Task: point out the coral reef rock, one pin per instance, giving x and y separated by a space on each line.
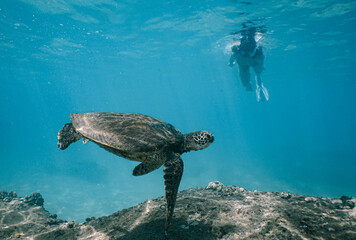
214 212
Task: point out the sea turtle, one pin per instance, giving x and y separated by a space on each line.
139 138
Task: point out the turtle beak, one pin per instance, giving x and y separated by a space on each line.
210 138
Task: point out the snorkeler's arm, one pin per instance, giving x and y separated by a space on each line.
232 61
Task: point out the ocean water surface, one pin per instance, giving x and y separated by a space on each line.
168 59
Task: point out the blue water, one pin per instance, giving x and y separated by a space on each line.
168 59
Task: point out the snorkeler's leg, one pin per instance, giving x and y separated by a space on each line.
245 76
258 78
258 68
259 85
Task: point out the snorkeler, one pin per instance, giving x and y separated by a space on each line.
246 53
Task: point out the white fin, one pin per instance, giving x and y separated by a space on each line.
265 95
85 140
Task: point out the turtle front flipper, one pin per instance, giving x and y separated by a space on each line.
173 171
67 135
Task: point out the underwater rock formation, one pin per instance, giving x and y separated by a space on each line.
214 212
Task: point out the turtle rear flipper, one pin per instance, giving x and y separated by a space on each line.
67 135
173 171
146 167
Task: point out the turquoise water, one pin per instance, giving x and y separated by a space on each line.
168 59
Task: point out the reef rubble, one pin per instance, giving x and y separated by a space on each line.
214 212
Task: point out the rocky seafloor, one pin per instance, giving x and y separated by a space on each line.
214 212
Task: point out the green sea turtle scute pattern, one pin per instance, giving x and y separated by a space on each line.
127 132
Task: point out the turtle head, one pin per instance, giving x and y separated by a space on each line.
197 140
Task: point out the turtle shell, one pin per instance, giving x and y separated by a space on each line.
128 132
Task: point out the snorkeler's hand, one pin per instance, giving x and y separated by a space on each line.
232 61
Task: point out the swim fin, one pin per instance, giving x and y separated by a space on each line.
262 94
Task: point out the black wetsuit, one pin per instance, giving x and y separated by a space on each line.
244 61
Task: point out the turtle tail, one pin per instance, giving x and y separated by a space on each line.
67 135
